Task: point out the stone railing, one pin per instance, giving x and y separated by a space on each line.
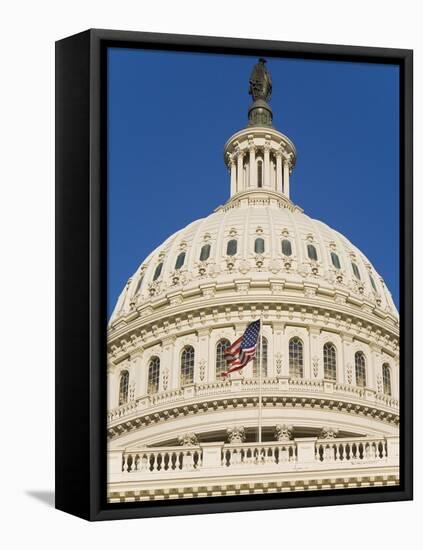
246 386
217 459
352 451
247 454
166 459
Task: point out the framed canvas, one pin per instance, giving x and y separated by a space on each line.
234 258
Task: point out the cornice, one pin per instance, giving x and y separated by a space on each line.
332 402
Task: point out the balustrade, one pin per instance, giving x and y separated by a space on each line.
274 456
347 450
163 460
254 454
273 386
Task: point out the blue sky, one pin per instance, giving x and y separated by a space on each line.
170 114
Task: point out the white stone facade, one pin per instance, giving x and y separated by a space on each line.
197 289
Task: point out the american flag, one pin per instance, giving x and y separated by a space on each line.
242 350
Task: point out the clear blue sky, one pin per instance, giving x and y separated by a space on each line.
171 113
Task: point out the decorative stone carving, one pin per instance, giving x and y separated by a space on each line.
274 266
230 264
154 288
188 440
244 266
349 373
278 362
283 432
242 288
315 363
328 433
379 383
131 391
259 259
202 365
165 379
236 434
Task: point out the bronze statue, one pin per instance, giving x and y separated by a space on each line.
260 82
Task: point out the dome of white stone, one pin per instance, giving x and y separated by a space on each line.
340 268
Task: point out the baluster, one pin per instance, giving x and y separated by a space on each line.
173 461
152 460
144 463
130 461
384 449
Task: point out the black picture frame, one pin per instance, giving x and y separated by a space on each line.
81 274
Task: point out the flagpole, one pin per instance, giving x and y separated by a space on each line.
260 376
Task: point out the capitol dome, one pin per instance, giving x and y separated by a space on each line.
329 380
261 236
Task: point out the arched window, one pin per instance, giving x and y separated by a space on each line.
286 247
360 369
356 271
180 260
386 377
329 361
153 375
259 173
256 360
296 358
187 365
205 252
221 364
373 283
312 252
123 387
335 260
259 246
231 247
158 271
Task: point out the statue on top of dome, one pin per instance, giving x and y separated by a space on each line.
260 113
260 81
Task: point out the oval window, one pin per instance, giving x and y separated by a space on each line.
312 252
356 271
335 260
286 247
259 246
158 271
180 260
205 252
231 247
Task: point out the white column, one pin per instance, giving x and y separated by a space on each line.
315 354
375 367
279 186
139 378
167 366
240 171
253 168
232 165
112 388
349 365
275 363
266 179
286 177
201 372
340 364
